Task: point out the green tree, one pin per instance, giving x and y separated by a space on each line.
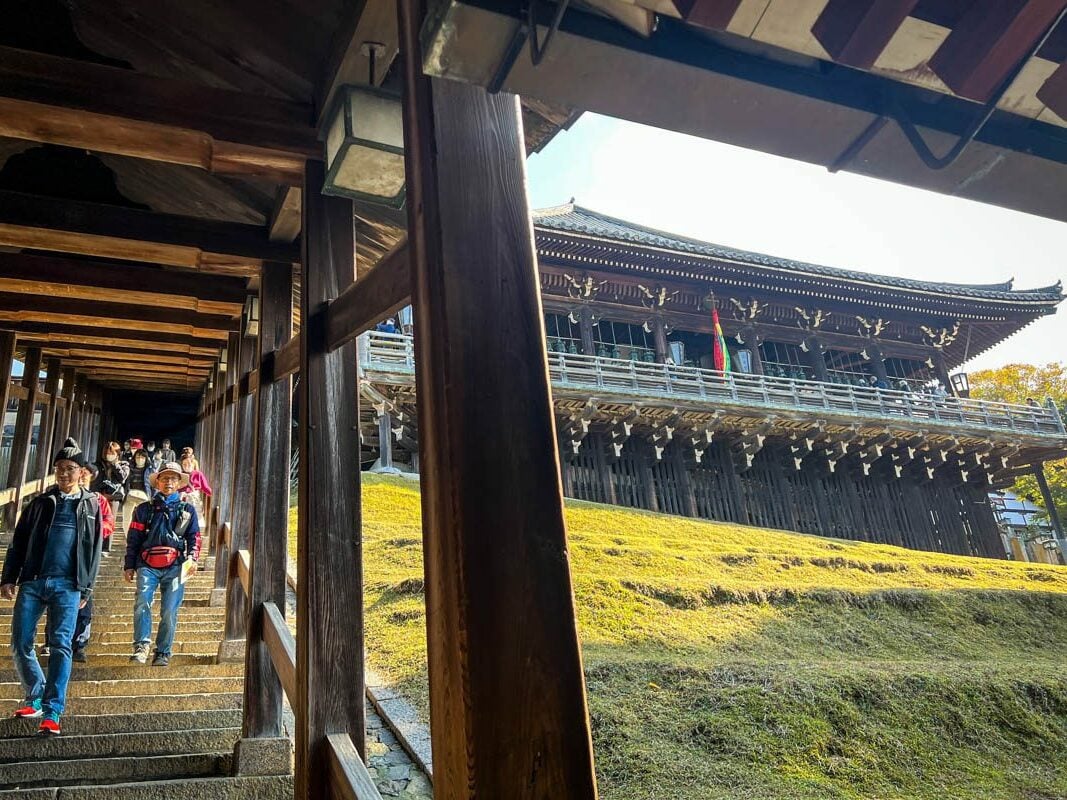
1015 383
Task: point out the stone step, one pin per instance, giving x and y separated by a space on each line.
148 704
125 612
148 685
274 787
191 646
95 771
141 722
153 743
108 668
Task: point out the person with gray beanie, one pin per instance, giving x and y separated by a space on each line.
52 563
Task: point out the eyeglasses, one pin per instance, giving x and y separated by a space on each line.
65 470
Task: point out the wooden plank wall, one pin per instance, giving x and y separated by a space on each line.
940 515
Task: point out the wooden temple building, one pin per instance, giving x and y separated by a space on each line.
214 201
829 421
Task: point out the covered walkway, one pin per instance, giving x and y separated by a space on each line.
167 227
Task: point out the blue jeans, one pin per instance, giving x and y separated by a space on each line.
60 598
171 592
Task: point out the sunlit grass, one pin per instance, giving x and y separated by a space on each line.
729 661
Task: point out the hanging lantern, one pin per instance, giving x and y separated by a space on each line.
365 147
251 315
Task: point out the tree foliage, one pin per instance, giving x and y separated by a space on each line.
1015 383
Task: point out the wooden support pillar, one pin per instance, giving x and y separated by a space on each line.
20 445
69 378
7 358
751 339
585 327
941 371
1046 495
659 339
877 363
508 711
224 452
45 433
268 545
385 440
817 359
240 518
329 615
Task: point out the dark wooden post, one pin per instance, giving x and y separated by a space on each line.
817 358
329 614
877 362
20 445
659 338
385 440
1046 495
508 711
69 378
7 359
224 451
751 338
585 327
263 689
942 372
45 431
232 646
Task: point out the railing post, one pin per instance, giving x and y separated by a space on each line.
20 445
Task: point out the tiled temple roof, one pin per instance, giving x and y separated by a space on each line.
571 218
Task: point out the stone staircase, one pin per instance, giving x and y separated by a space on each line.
133 731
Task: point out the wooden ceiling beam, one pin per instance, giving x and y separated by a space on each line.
989 42
145 367
65 331
855 32
256 121
37 122
712 14
284 225
88 279
95 229
124 355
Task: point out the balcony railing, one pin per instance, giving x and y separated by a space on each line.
394 353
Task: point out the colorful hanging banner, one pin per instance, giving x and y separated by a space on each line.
720 354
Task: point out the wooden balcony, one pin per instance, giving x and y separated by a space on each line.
390 358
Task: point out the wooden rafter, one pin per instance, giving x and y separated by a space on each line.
989 41
713 14
44 223
855 32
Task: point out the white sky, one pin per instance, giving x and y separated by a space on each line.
754 201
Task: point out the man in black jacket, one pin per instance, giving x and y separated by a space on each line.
52 560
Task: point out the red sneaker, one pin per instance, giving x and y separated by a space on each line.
30 710
49 726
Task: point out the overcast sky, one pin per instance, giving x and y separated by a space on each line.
754 201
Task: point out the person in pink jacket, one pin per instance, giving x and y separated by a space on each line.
198 487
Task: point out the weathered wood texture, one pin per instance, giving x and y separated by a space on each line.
20 444
224 453
282 647
46 429
349 778
7 358
242 497
855 32
507 698
942 514
270 513
329 670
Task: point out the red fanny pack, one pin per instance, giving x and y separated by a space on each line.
159 557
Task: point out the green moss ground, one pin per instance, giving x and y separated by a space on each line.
726 661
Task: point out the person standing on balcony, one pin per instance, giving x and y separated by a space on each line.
162 548
389 326
52 561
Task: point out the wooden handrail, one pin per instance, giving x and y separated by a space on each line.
349 778
36 486
282 646
244 571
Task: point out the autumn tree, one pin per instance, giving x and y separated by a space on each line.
1015 383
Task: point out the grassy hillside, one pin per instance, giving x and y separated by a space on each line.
731 662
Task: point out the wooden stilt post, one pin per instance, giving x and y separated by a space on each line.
329 615
224 451
45 440
20 445
385 441
7 358
1050 503
507 698
268 544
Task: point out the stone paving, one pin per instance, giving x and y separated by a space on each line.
391 768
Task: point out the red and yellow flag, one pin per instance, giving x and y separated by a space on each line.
720 354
